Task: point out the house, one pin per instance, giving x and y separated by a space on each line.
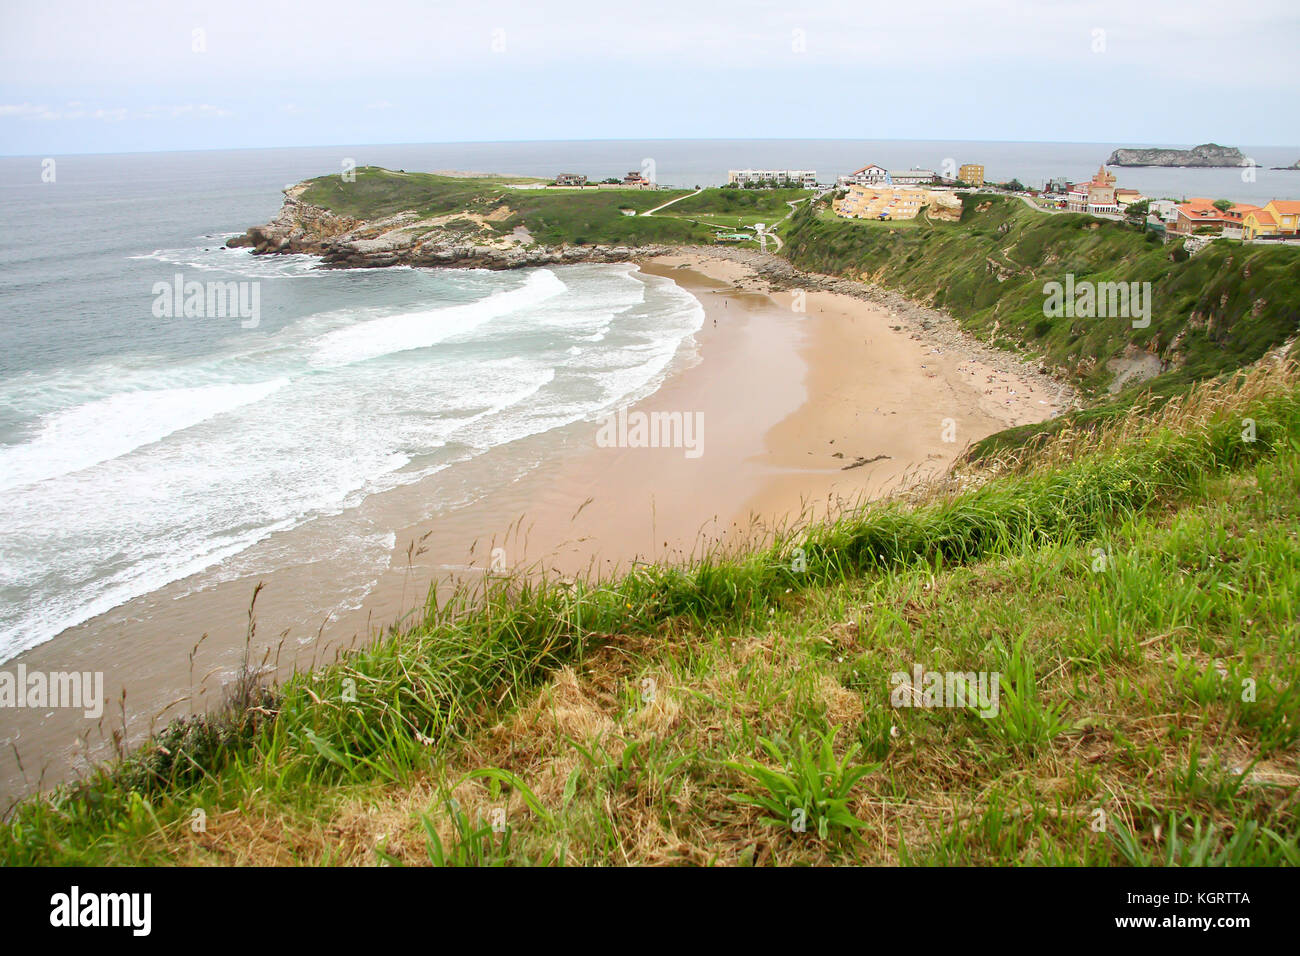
806 178
911 177
1234 220
1197 213
634 180
570 179
869 175
1259 223
1097 195
882 202
972 174
1166 210
1058 185
1282 214
1126 197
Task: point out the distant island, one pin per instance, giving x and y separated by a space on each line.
1295 165
1206 155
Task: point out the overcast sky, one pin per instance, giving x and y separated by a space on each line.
99 76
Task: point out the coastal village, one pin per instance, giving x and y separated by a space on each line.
874 192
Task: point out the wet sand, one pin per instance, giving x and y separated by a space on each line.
787 399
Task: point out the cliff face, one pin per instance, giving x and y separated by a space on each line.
460 240
1207 154
944 206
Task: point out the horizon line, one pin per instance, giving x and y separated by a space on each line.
653 139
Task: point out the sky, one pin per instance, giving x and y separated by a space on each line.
86 76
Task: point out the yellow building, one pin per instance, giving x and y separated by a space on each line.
1279 217
1287 214
972 174
1258 222
882 202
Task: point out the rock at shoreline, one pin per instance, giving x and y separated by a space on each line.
1207 155
404 239
1295 165
345 243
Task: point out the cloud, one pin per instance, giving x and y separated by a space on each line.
22 109
116 114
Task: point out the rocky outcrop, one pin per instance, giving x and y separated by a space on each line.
944 206
1295 165
405 239
1205 155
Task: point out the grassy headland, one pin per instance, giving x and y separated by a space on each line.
552 216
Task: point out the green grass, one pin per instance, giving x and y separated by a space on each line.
378 193
591 217
1128 586
748 203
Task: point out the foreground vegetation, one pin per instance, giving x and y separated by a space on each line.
1136 588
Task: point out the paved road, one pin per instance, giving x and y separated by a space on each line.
1114 217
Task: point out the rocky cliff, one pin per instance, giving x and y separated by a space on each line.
1207 154
460 240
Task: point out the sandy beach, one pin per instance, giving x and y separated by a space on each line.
806 401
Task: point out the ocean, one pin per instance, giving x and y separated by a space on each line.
138 448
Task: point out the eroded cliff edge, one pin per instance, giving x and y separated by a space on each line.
407 238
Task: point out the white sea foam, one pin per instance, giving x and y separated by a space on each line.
98 431
144 469
422 329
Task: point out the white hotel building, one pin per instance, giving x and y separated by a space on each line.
807 178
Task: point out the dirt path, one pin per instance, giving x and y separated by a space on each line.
651 212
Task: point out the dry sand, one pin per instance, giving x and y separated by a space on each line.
788 399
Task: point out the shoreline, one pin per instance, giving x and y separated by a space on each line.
782 442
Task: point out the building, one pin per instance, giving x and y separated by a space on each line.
911 177
972 174
1279 217
570 179
1057 185
1126 197
882 202
1259 223
1166 210
1287 213
869 175
1097 195
634 180
1198 213
806 178
1234 221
